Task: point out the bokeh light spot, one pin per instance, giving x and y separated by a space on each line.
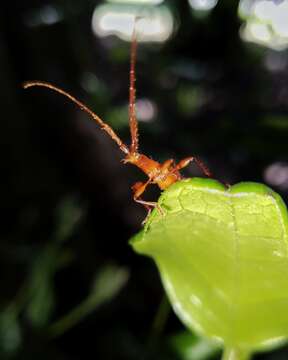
266 22
146 110
45 15
276 174
203 5
154 25
150 2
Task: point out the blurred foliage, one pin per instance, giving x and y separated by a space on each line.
67 210
191 347
106 285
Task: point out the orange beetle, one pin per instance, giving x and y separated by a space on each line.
163 174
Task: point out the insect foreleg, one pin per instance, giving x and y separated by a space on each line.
138 188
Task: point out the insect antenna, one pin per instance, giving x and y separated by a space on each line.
132 95
84 108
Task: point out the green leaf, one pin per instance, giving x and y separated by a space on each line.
188 346
223 259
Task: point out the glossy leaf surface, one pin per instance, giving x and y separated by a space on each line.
223 259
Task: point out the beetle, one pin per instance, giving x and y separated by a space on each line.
162 174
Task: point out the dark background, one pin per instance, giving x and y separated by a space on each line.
67 209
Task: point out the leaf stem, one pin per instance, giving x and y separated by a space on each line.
233 353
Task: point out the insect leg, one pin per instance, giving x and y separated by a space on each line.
203 167
167 164
184 162
138 188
